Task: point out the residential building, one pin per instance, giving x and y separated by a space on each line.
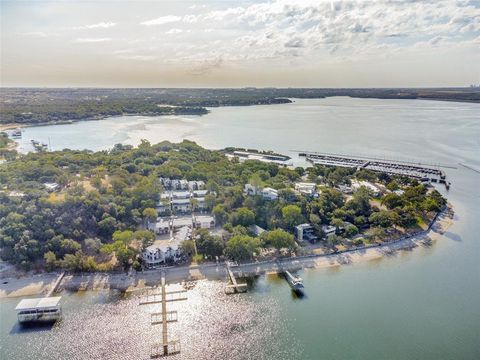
371 187
329 230
181 205
269 193
204 222
161 226
167 251
305 232
249 189
196 185
306 188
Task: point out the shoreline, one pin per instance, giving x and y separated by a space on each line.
30 285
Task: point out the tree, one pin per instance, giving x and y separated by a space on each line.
146 237
241 247
221 215
50 260
279 239
188 247
382 218
291 216
243 216
150 214
351 230
69 246
208 244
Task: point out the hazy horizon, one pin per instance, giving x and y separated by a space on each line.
236 44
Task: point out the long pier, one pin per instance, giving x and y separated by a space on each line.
418 171
234 286
165 347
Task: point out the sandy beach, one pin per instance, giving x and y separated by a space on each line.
41 283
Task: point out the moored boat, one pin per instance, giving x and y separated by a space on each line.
295 282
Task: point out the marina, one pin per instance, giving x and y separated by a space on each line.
265 156
418 171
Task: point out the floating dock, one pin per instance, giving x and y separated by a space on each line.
422 172
233 286
45 309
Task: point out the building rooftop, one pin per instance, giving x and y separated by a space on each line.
38 303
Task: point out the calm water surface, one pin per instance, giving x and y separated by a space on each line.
423 304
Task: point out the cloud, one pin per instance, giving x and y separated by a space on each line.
100 25
206 66
92 40
174 31
138 57
162 20
35 34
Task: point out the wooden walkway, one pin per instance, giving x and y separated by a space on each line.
55 285
165 347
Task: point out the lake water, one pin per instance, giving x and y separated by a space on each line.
422 304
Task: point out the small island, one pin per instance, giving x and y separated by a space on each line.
151 206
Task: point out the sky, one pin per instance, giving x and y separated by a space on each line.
277 43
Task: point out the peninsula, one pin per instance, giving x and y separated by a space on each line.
180 204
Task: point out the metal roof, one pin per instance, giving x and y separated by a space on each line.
38 303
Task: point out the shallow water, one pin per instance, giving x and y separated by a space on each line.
420 304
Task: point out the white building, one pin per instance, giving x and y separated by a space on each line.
199 193
329 230
305 232
269 193
249 189
306 188
161 226
345 189
181 205
166 251
196 185
204 222
51 186
371 187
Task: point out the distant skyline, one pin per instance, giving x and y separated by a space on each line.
276 43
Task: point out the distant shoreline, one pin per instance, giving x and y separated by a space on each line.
41 283
281 100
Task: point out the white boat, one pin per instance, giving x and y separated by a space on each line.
295 282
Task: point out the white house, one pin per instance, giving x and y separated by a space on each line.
305 232
181 205
204 222
166 251
199 193
196 185
51 186
329 230
251 190
269 193
161 226
306 188
373 189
